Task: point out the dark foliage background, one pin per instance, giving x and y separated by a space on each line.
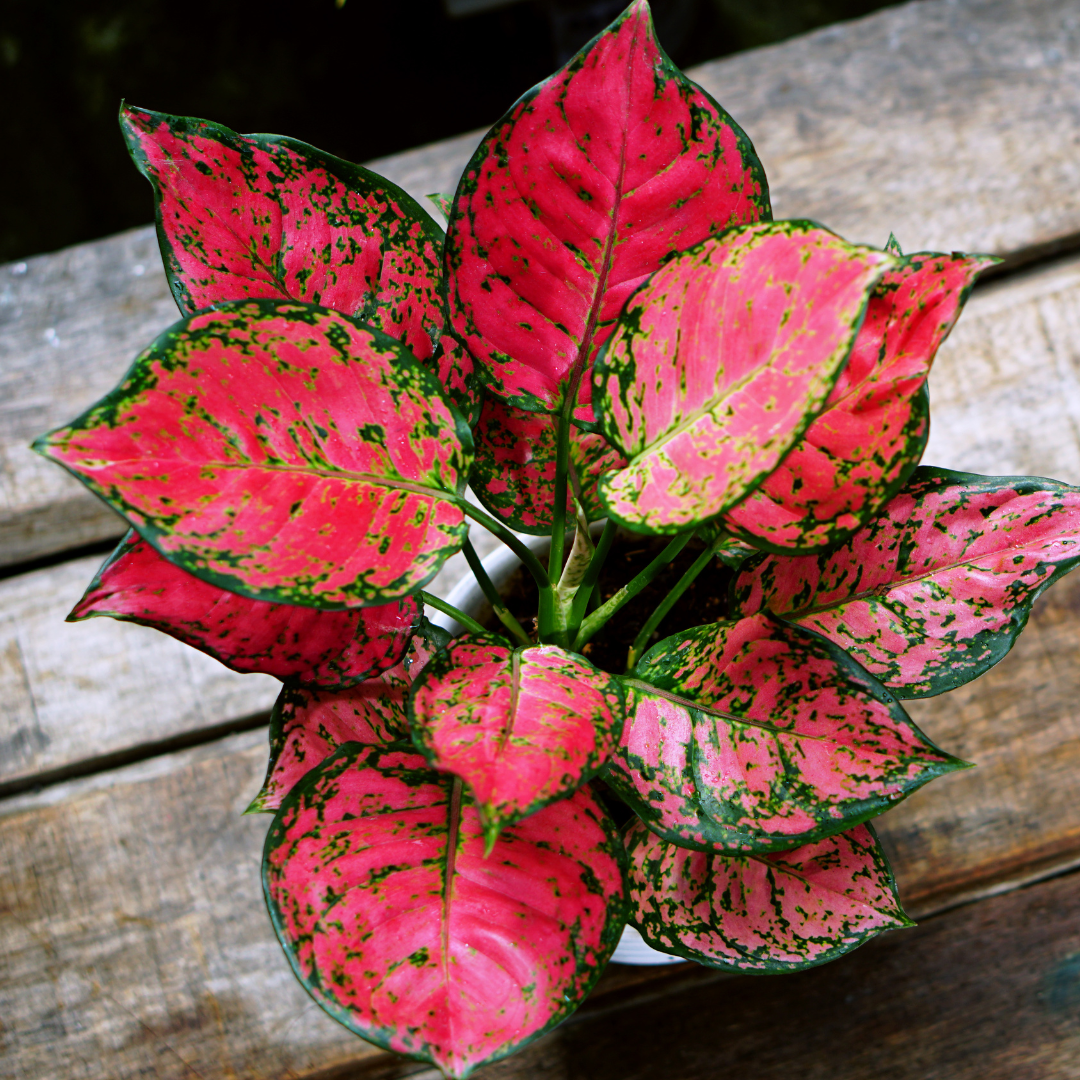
362 80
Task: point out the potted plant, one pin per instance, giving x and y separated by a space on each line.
612 329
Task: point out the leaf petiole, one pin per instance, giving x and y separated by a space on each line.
521 550
430 600
558 525
504 614
592 574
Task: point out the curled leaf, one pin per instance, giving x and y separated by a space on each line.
401 929
935 590
764 913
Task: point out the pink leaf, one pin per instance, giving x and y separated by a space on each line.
283 452
765 913
935 590
522 727
575 197
721 362
308 725
318 648
514 471
755 736
858 452
401 929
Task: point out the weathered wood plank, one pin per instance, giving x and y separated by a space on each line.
952 124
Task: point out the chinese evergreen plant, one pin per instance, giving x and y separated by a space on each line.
613 327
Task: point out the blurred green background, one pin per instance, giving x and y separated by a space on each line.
360 80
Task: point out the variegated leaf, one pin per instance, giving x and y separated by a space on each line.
522 727
721 362
401 929
934 591
253 216
762 913
281 451
513 473
575 197
329 649
308 725
857 454
756 736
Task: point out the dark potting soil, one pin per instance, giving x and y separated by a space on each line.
704 602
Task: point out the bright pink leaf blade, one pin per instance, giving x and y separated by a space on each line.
329 649
721 362
522 727
283 452
934 591
400 928
765 913
575 197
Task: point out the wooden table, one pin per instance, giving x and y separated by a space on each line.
133 937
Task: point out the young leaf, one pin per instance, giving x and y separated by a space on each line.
575 197
935 590
522 727
720 363
262 216
763 913
402 930
857 454
513 473
330 649
308 725
283 452
756 736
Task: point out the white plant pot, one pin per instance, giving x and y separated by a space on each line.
467 597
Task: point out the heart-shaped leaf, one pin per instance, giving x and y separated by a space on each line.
934 591
513 474
720 363
765 913
281 451
308 725
575 197
522 727
330 649
859 451
755 736
264 216
402 930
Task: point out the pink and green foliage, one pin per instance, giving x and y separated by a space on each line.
754 736
934 591
720 363
575 197
402 929
522 727
328 649
308 724
857 453
281 451
762 913
514 471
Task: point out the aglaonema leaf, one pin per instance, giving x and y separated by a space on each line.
513 473
755 736
401 929
934 591
283 452
762 913
721 362
859 451
262 216
575 197
308 725
330 649
522 727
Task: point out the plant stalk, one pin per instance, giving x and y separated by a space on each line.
504 614
558 527
572 576
522 551
592 575
429 600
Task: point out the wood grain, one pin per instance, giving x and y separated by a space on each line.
956 125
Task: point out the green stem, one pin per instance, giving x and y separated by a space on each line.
531 562
439 604
665 605
558 527
604 612
592 574
504 614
